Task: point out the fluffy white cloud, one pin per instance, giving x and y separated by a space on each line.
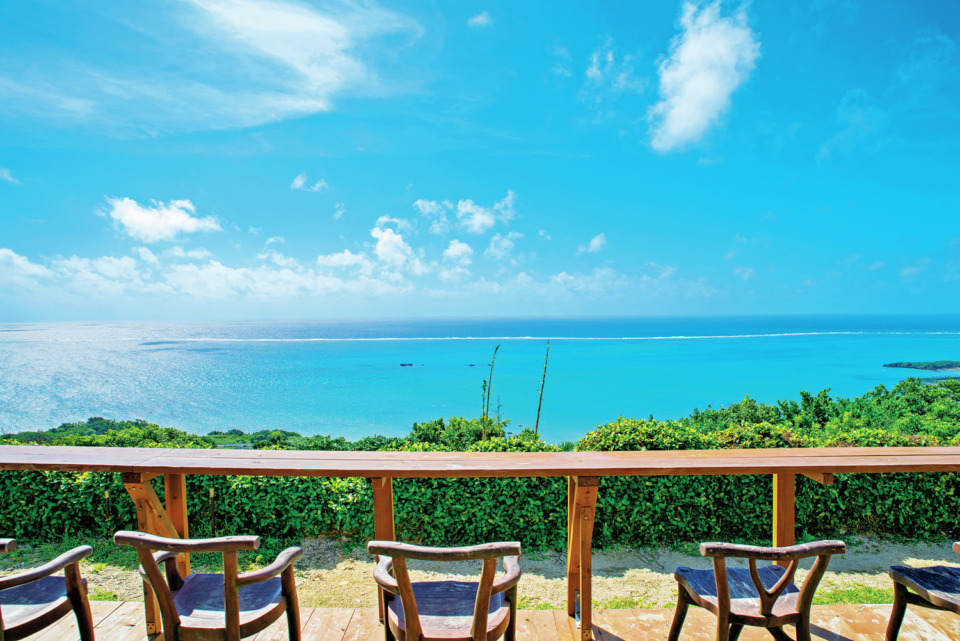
391 248
458 252
147 256
279 259
6 176
345 259
162 221
596 243
300 183
18 270
482 19
471 217
179 252
261 61
436 212
708 61
502 246
474 218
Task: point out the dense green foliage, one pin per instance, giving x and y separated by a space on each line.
634 511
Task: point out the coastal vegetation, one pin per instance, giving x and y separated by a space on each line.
630 511
933 366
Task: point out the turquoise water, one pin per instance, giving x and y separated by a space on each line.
347 378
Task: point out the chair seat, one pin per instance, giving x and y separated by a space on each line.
939 584
32 600
446 610
744 599
200 604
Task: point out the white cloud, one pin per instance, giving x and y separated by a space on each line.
744 273
18 270
279 259
543 234
210 64
596 243
6 176
436 212
274 239
502 246
708 61
391 248
147 256
345 259
300 183
338 211
162 221
474 218
401 223
609 75
482 19
458 252
180 252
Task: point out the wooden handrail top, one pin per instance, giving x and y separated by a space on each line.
480 464
395 549
802 551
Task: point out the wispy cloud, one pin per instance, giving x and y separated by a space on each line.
210 64
561 66
472 217
708 61
162 221
596 243
338 210
300 183
6 176
501 246
482 19
860 118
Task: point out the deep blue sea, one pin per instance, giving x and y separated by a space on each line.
348 378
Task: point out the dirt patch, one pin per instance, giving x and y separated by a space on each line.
330 576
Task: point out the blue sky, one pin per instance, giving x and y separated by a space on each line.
220 159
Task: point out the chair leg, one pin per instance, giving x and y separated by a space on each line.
288 583
511 633
896 614
683 602
77 593
780 635
803 628
735 630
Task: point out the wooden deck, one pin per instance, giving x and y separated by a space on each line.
118 621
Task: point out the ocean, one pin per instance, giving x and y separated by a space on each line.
357 378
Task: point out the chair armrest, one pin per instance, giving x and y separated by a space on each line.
956 547
419 552
67 558
283 560
144 541
382 575
8 545
816 548
511 566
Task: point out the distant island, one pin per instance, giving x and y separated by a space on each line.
932 366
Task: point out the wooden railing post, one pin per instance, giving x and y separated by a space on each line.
175 490
784 511
383 528
146 522
581 505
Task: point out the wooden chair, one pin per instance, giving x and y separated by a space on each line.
32 600
216 607
764 597
448 610
934 587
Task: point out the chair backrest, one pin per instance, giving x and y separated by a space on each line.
398 554
153 550
823 550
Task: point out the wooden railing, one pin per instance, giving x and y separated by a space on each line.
583 469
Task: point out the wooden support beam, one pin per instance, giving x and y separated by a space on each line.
784 511
143 495
145 523
383 521
823 478
581 506
175 491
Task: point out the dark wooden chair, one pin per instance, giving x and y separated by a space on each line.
934 587
764 597
216 607
448 610
32 600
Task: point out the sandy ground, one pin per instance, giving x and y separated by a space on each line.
329 576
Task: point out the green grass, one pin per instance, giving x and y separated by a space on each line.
852 594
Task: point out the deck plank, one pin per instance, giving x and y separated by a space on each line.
116 621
